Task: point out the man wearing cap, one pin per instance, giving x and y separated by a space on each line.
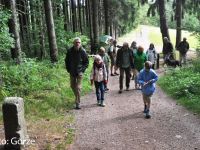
76 62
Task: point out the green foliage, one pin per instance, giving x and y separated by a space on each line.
184 85
65 38
44 87
6 41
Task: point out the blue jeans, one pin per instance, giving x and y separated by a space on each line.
99 90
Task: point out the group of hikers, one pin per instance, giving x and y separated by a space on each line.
131 61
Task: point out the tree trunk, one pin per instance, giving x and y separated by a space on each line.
13 29
80 18
178 21
106 5
95 26
163 21
74 16
51 30
66 15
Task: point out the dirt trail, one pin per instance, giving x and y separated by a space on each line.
121 124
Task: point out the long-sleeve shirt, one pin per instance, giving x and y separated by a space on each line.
145 76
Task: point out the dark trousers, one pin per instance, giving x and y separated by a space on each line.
121 77
99 90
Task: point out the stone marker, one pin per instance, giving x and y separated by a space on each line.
14 123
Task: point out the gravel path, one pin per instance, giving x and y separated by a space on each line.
121 124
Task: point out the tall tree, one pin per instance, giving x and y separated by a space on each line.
13 29
106 8
51 30
74 15
163 20
178 21
95 26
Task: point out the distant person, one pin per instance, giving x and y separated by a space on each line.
139 59
76 62
183 48
112 52
167 48
124 62
147 78
133 47
99 78
152 55
106 61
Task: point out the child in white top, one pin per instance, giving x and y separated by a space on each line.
99 78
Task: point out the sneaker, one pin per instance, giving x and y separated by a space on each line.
103 105
106 89
127 88
112 74
98 103
120 91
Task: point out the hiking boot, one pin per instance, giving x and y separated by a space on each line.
77 106
120 91
148 116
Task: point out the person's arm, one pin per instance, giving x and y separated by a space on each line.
85 61
140 78
67 61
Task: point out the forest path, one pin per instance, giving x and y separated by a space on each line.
121 124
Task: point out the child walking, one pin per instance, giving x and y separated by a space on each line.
99 78
147 78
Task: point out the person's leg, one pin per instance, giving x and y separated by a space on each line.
184 59
98 95
111 66
101 85
73 84
145 103
127 72
136 77
121 77
78 89
106 84
180 58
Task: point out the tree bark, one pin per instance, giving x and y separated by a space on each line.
80 18
163 20
51 30
95 26
106 5
13 29
178 21
74 16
